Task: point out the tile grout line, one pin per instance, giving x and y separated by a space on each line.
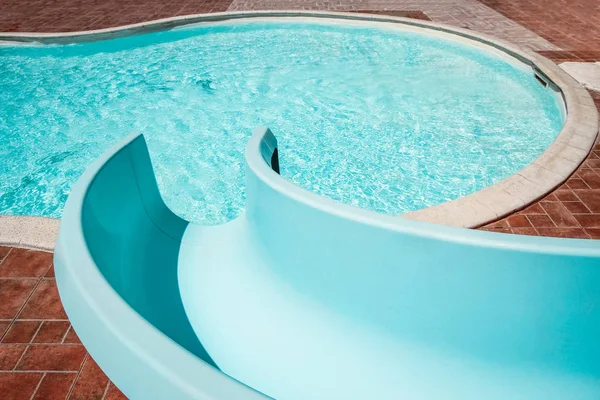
17 316
66 333
21 358
41 371
105 390
77 376
46 344
10 249
14 319
38 386
36 332
38 319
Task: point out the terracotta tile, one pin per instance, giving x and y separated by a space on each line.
588 220
3 252
591 178
498 230
550 197
51 332
593 232
564 232
52 358
559 214
21 332
577 183
25 263
91 383
55 386
44 303
592 163
566 195
72 337
500 224
576 207
10 355
404 14
3 327
114 393
18 386
533 209
525 231
13 294
50 273
591 198
518 221
540 221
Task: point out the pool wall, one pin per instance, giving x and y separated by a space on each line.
508 300
547 172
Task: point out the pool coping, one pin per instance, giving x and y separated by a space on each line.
548 171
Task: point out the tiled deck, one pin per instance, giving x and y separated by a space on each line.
41 357
40 354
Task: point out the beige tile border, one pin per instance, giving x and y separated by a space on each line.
544 174
30 232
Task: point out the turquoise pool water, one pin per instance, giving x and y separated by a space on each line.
387 120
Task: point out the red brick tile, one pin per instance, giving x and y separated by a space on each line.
525 231
21 332
593 232
592 162
25 263
3 327
498 230
91 383
500 224
591 178
576 207
559 214
13 294
550 197
51 332
44 303
533 209
404 14
591 198
114 393
55 386
564 232
518 221
10 355
577 183
72 337
588 220
540 221
52 358
566 195
4 252
18 386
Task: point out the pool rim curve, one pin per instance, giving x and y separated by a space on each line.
548 171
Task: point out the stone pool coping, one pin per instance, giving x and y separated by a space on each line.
534 181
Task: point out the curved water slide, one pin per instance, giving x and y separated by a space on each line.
303 297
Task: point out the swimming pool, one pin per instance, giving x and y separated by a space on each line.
389 120
302 296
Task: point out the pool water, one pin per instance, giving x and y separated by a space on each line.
388 120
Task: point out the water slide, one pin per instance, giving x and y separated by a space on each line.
302 297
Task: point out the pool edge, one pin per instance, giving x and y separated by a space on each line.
548 171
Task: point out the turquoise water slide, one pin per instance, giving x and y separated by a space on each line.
306 298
